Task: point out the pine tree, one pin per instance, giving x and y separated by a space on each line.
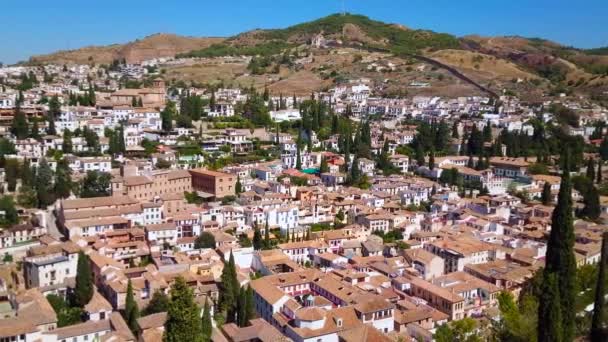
207 324
183 320
598 320
546 194
267 243
591 169
131 313
83 292
560 264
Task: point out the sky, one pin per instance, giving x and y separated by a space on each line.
29 27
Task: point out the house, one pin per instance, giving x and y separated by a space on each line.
218 184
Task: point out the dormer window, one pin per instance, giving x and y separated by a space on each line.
339 322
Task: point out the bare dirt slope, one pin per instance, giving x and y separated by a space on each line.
154 46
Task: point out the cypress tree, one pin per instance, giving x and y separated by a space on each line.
67 141
19 127
561 264
598 321
546 195
432 159
44 184
238 188
592 209
298 158
35 131
250 305
591 169
207 325
257 238
131 313
183 319
267 244
242 308
63 179
599 172
324 168
549 312
83 292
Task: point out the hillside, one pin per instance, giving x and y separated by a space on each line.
356 46
154 46
346 30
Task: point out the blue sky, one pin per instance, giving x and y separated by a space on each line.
30 27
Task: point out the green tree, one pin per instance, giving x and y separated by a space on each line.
550 311
432 159
517 324
604 149
599 172
11 216
242 320
183 321
167 115
44 184
158 303
267 243
207 327
546 194
463 330
67 141
229 290
324 168
560 270
238 188
54 107
83 292
258 244
19 127
598 320
63 179
95 184
35 131
131 312
205 240
298 158
11 170
591 169
592 208
250 305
